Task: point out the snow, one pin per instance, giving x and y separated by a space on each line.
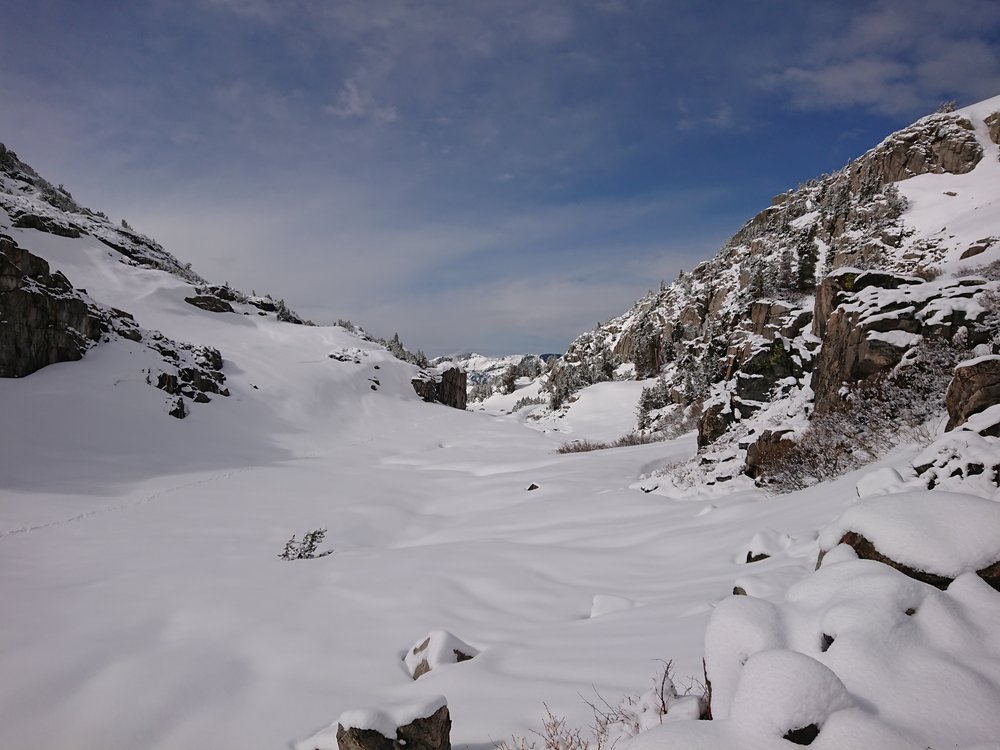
937 532
882 481
898 339
978 360
781 690
973 213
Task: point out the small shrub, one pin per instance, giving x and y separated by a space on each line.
305 549
581 446
614 723
633 438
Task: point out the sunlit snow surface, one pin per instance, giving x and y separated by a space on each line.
144 604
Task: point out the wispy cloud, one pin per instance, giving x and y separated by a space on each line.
895 56
353 103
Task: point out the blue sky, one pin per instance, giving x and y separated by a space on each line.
474 174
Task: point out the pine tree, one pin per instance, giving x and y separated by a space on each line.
291 551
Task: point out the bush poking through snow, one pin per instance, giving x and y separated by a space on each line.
633 438
875 418
615 723
305 549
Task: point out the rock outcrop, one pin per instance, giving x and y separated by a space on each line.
210 303
876 318
943 142
447 386
974 388
45 320
993 123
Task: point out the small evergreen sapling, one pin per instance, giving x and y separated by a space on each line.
306 549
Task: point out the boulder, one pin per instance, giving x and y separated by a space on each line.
452 390
974 388
431 732
447 386
421 725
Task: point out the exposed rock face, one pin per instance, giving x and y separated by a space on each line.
993 123
714 423
939 143
876 319
209 303
429 733
44 319
447 387
975 387
46 224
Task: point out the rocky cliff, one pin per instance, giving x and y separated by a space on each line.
830 289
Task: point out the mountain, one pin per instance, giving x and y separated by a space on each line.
221 526
763 334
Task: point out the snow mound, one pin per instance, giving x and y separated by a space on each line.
740 626
883 481
605 604
437 648
782 691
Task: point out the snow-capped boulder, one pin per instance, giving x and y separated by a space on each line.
418 725
933 537
437 648
975 387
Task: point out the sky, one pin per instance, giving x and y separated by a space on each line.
476 175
